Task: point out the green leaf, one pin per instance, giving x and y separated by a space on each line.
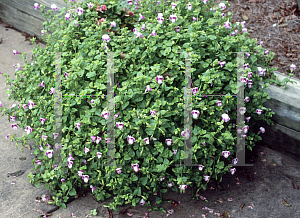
64 187
90 74
144 181
72 192
124 105
134 178
127 157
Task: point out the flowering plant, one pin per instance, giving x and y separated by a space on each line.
148 97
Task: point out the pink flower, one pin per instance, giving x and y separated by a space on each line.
36 6
99 155
222 63
119 125
148 88
78 125
135 167
225 117
85 178
49 153
15 52
93 188
159 79
146 140
258 111
103 7
169 141
118 170
130 139
232 170
170 184
54 7
195 113
186 133
182 187
142 202
86 150
225 153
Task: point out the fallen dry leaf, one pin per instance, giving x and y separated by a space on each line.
123 211
16 174
295 186
242 206
1 40
225 214
27 146
285 203
174 203
7 25
220 200
245 17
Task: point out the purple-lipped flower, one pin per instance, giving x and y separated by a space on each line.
36 6
146 140
93 188
135 167
49 153
85 178
79 11
258 111
15 52
206 178
119 125
222 6
186 133
119 170
201 167
195 114
182 187
54 7
173 18
130 139
232 170
169 141
225 153
225 117
90 4
222 63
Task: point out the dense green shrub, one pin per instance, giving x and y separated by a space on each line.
148 98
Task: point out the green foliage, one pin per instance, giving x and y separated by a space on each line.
146 58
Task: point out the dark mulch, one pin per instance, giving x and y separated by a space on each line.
282 39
